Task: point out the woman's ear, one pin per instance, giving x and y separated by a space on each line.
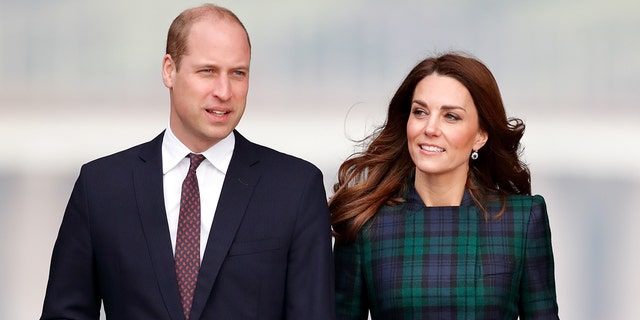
481 139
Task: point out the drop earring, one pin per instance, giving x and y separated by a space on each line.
474 155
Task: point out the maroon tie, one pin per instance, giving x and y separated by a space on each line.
187 254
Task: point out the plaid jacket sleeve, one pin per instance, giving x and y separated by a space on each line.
537 286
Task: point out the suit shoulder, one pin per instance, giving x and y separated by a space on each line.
114 157
125 156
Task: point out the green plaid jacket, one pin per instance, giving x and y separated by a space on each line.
417 262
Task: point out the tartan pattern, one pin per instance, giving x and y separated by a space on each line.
417 262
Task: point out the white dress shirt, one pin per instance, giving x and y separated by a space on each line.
210 173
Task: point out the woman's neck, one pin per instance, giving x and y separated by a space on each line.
440 191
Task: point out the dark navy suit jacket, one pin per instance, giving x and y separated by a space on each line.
268 255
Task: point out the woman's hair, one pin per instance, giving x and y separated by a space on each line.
380 174
179 30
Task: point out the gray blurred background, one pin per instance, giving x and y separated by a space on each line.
81 79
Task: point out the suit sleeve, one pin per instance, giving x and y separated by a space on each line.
351 303
71 291
310 292
538 292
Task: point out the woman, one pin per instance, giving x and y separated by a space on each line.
435 219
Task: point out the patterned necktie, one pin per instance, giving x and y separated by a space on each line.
187 255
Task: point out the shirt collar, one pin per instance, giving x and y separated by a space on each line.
173 151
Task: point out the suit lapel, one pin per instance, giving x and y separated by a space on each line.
147 178
240 180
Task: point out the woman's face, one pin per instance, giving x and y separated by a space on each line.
443 128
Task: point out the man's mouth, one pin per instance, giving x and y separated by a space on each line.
217 113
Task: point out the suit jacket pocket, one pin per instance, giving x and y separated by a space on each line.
254 246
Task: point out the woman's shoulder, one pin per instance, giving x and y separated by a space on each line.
522 199
526 207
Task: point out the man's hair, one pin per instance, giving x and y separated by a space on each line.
179 30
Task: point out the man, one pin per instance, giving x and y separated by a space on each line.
262 246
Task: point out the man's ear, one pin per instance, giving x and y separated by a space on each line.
168 71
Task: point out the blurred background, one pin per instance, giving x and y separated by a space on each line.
81 79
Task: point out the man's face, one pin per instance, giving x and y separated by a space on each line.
209 90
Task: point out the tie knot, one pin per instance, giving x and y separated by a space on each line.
195 159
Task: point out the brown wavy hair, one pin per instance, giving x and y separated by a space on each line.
381 174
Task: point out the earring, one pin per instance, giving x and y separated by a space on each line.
474 155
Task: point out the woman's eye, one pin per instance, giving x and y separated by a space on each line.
419 112
452 116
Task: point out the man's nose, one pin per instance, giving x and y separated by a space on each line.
222 89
